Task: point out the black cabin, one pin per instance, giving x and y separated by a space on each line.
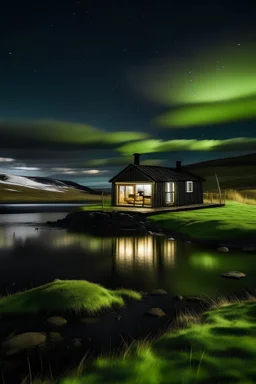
155 186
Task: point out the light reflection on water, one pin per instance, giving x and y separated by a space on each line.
31 255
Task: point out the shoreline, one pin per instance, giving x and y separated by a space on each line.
82 221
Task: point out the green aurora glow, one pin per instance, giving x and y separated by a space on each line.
221 112
211 88
151 146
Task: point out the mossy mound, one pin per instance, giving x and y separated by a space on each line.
65 295
219 349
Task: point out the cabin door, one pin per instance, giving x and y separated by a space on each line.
169 192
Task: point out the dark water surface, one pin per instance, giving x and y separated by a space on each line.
31 255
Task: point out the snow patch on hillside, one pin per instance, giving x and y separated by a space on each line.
25 182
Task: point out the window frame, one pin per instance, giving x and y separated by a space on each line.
188 183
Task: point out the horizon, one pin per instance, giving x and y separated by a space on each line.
100 185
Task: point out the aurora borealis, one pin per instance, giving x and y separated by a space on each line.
86 84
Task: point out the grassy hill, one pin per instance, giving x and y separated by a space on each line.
29 189
237 173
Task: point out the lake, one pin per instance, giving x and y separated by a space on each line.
31 254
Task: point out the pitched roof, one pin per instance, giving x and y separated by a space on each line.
158 173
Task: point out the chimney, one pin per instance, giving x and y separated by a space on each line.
136 158
178 165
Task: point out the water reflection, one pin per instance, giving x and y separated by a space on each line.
32 255
143 252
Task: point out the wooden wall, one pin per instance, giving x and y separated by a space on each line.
158 199
186 198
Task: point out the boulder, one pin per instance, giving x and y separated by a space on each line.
223 249
195 299
56 321
156 312
54 338
178 298
22 342
76 343
158 292
233 275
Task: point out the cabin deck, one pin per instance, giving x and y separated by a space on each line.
157 211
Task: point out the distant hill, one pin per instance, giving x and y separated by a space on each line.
22 188
63 183
237 172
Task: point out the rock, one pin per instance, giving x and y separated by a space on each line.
178 298
157 312
22 342
156 233
195 299
76 343
54 337
89 320
233 275
223 249
158 292
56 321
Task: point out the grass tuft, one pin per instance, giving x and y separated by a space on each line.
66 295
208 350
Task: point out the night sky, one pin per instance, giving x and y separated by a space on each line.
85 84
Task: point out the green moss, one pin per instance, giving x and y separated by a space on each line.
65 295
235 220
209 352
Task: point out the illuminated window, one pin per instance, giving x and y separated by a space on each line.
189 186
169 193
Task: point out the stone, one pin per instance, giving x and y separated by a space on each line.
158 292
156 233
156 312
76 343
178 298
223 249
54 337
233 275
22 342
56 321
195 299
